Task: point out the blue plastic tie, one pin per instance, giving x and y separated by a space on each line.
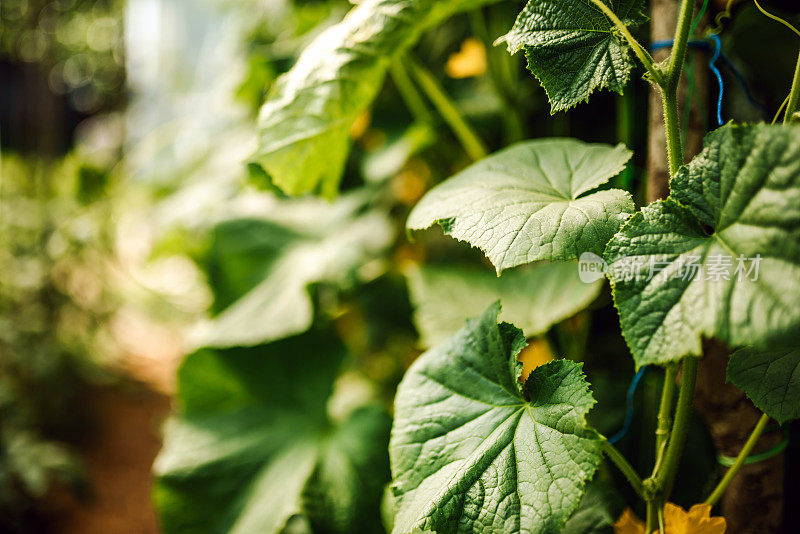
629 398
717 51
712 65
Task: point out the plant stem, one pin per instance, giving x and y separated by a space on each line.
643 55
625 467
669 468
794 94
719 491
452 116
678 56
669 86
626 111
409 93
664 412
780 108
669 99
652 516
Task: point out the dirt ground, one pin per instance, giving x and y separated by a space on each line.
117 460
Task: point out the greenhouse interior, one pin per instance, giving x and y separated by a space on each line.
399 266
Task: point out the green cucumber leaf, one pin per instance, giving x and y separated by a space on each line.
532 201
734 209
305 123
534 297
473 450
771 379
252 446
599 509
260 269
573 48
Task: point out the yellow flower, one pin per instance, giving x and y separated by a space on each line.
469 61
535 354
697 520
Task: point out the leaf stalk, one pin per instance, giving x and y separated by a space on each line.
723 484
625 467
472 144
794 94
644 56
665 412
669 468
409 93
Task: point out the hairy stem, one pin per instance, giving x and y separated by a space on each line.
669 468
644 57
678 56
664 412
669 99
667 460
719 491
794 95
472 144
625 467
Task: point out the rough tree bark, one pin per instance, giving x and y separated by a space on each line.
753 502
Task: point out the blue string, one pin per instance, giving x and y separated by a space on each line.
712 65
743 84
737 74
629 407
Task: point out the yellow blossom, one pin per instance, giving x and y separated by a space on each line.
697 520
469 61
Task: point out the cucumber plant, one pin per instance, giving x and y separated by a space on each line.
475 445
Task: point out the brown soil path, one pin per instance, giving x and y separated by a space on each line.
117 457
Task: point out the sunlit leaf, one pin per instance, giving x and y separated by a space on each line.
532 201
305 123
474 450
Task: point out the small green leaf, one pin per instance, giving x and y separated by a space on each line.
534 297
720 258
573 48
260 269
305 123
771 379
472 450
531 202
252 445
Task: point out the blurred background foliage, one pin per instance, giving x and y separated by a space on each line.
133 230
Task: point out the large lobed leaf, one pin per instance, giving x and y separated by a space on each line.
534 297
252 447
771 379
305 123
532 201
573 48
260 269
736 202
474 451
